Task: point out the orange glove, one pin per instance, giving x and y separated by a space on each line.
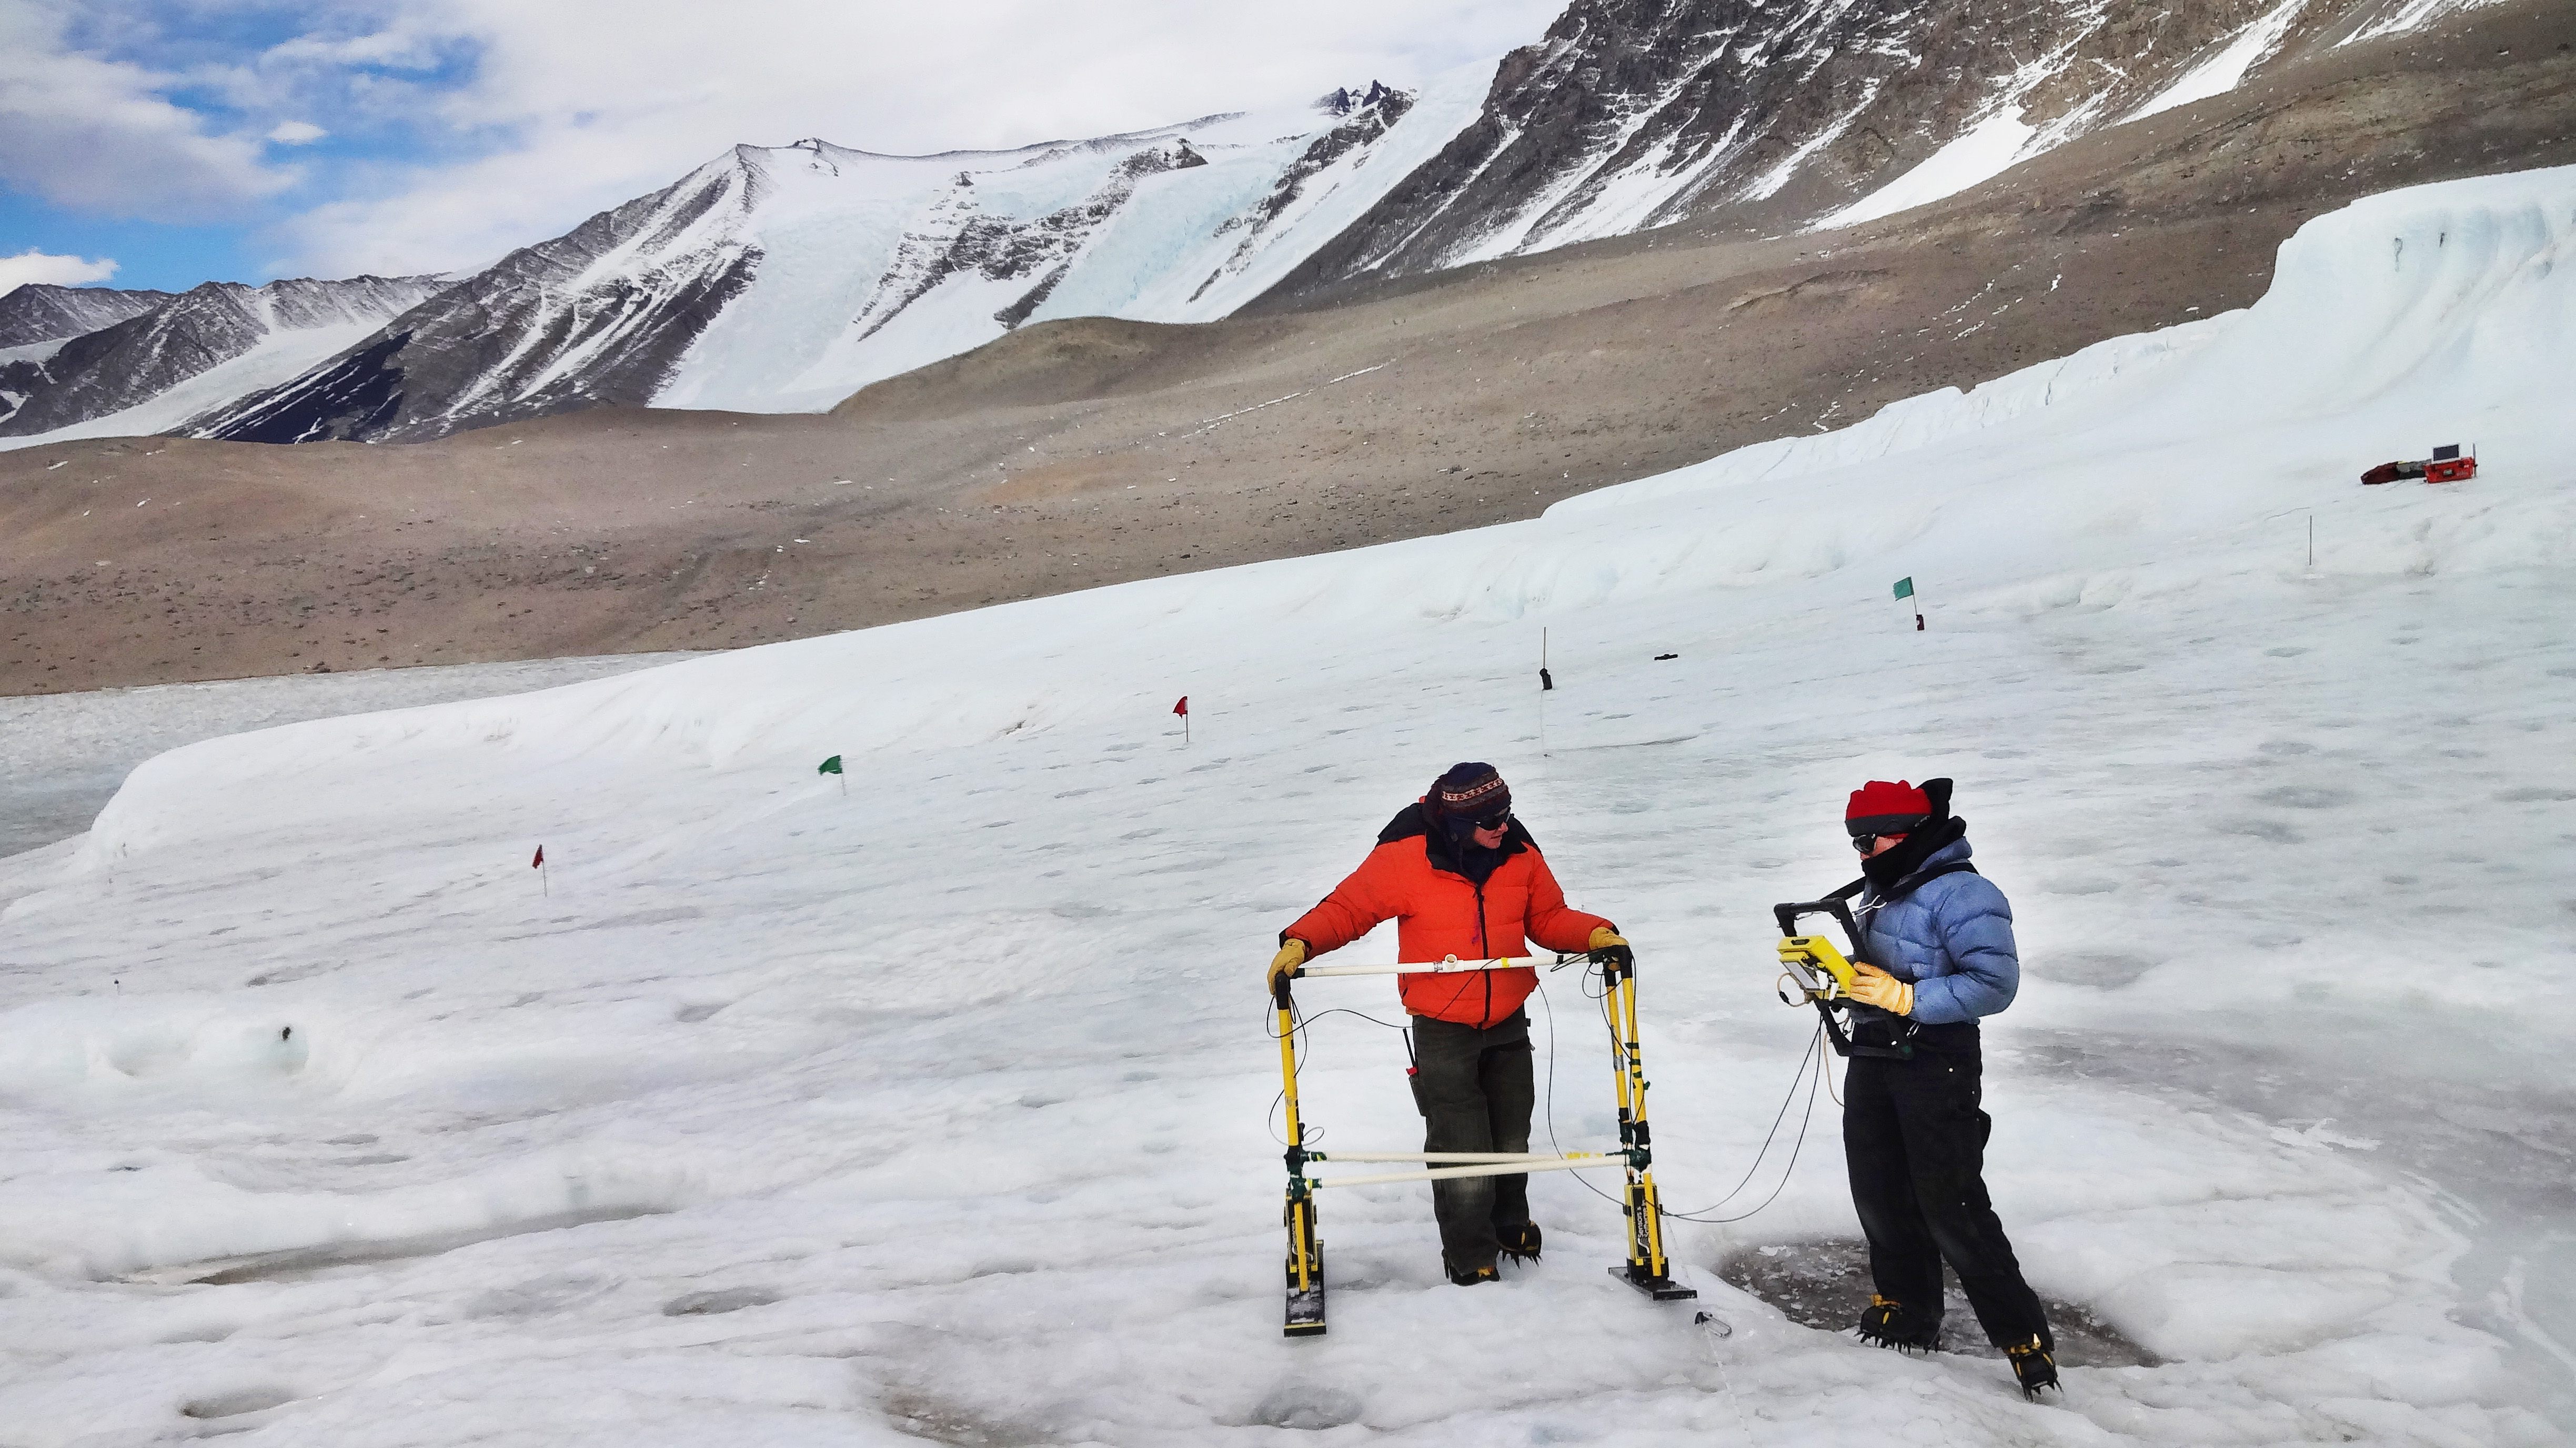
1872 986
1603 937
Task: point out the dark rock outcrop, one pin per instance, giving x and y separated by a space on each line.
41 312
147 354
496 346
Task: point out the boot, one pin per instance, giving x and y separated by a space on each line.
1520 1242
2034 1367
1887 1323
1468 1276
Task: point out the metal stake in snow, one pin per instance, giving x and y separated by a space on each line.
1546 682
545 883
1904 591
2312 533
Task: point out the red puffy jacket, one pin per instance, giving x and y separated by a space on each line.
1413 877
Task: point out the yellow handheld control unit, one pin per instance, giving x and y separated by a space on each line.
1821 969
1817 973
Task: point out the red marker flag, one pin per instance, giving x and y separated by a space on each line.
1182 708
539 862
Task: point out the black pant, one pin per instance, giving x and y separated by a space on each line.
1915 1140
1475 1090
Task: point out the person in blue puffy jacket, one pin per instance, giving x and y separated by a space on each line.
1936 955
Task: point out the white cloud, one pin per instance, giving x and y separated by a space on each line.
96 134
296 133
598 102
31 266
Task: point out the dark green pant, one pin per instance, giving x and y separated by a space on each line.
1475 1090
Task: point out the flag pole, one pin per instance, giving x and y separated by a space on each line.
1905 590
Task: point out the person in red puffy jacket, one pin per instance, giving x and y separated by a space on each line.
1461 876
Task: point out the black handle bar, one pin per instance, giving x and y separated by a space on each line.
1788 916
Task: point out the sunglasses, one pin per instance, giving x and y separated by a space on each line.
1496 823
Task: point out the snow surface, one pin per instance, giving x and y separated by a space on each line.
63 755
931 1111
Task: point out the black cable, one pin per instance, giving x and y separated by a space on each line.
1795 1081
1298 1022
1795 1147
1812 1058
1303 1021
1550 1007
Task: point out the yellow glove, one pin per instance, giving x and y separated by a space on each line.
1292 954
1872 986
1603 937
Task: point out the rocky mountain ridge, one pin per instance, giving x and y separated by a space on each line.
153 353
41 312
783 279
1632 114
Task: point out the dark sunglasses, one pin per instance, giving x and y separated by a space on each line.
1497 822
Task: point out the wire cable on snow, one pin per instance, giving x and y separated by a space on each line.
1298 1023
1813 1056
1550 1007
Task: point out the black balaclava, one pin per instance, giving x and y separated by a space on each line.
1886 871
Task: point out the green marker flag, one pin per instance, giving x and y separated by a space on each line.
829 766
1905 587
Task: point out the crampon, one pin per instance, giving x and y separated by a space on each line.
1887 1323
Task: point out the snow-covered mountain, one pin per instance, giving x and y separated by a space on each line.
784 278
41 312
935 1110
156 368
781 279
38 318
1638 113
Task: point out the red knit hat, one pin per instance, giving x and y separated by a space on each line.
1881 808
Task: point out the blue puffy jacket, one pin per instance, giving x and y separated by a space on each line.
1952 937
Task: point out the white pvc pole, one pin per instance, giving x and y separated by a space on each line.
1422 967
1445 1173
1460 1156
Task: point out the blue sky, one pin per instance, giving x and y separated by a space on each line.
178 140
181 141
